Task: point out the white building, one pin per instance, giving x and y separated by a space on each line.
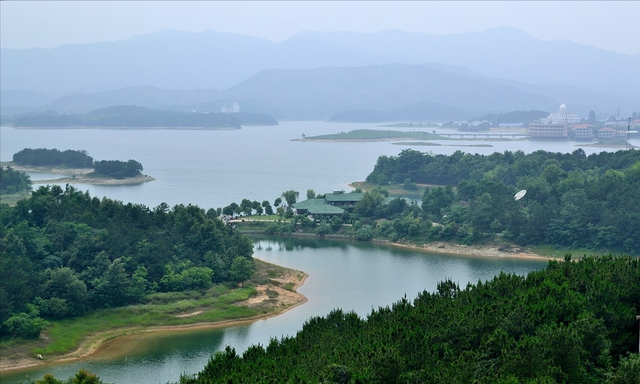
235 108
562 117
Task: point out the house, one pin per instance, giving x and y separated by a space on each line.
582 132
331 204
548 131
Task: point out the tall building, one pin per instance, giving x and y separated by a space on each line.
548 131
562 117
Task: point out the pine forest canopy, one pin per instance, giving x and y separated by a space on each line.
53 158
65 253
573 322
572 200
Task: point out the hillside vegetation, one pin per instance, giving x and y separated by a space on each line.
573 322
64 254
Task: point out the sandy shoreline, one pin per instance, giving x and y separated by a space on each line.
286 299
78 176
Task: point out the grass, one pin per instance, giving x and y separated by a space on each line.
13 199
66 335
395 190
559 252
373 134
158 309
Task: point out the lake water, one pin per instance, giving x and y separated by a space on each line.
342 274
214 168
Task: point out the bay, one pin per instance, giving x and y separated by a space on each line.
354 276
213 168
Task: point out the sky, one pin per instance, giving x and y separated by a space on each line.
608 25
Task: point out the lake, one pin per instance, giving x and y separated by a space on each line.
214 168
356 276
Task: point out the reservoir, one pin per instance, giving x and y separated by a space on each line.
212 169
351 275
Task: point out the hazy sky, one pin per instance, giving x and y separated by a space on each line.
604 24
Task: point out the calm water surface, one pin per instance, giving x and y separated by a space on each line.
350 275
214 168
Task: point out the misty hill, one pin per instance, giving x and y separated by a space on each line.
150 97
133 117
167 59
209 60
320 93
502 52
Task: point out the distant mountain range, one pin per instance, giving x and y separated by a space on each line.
315 75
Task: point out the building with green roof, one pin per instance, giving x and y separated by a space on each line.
331 204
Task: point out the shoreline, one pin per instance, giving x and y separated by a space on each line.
439 247
95 342
78 176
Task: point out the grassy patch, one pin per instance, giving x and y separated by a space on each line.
559 252
13 199
374 134
160 309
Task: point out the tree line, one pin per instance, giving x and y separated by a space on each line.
64 253
572 200
77 159
53 158
573 322
12 181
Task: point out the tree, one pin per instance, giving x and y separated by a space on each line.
311 194
241 269
290 197
592 117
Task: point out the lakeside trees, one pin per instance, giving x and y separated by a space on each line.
78 159
117 169
573 322
53 158
64 253
12 181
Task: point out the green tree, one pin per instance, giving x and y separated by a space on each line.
290 197
241 269
311 194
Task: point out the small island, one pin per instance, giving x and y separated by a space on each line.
374 135
135 117
78 167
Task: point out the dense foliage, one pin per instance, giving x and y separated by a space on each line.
12 181
53 158
117 169
63 253
572 200
574 322
129 116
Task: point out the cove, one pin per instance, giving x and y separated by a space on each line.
358 276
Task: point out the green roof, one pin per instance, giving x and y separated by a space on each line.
344 197
318 207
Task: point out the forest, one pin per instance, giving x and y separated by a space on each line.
12 181
572 200
64 253
53 158
130 116
573 322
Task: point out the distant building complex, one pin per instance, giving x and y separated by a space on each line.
235 108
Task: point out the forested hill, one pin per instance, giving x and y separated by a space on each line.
574 322
142 117
64 253
572 200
